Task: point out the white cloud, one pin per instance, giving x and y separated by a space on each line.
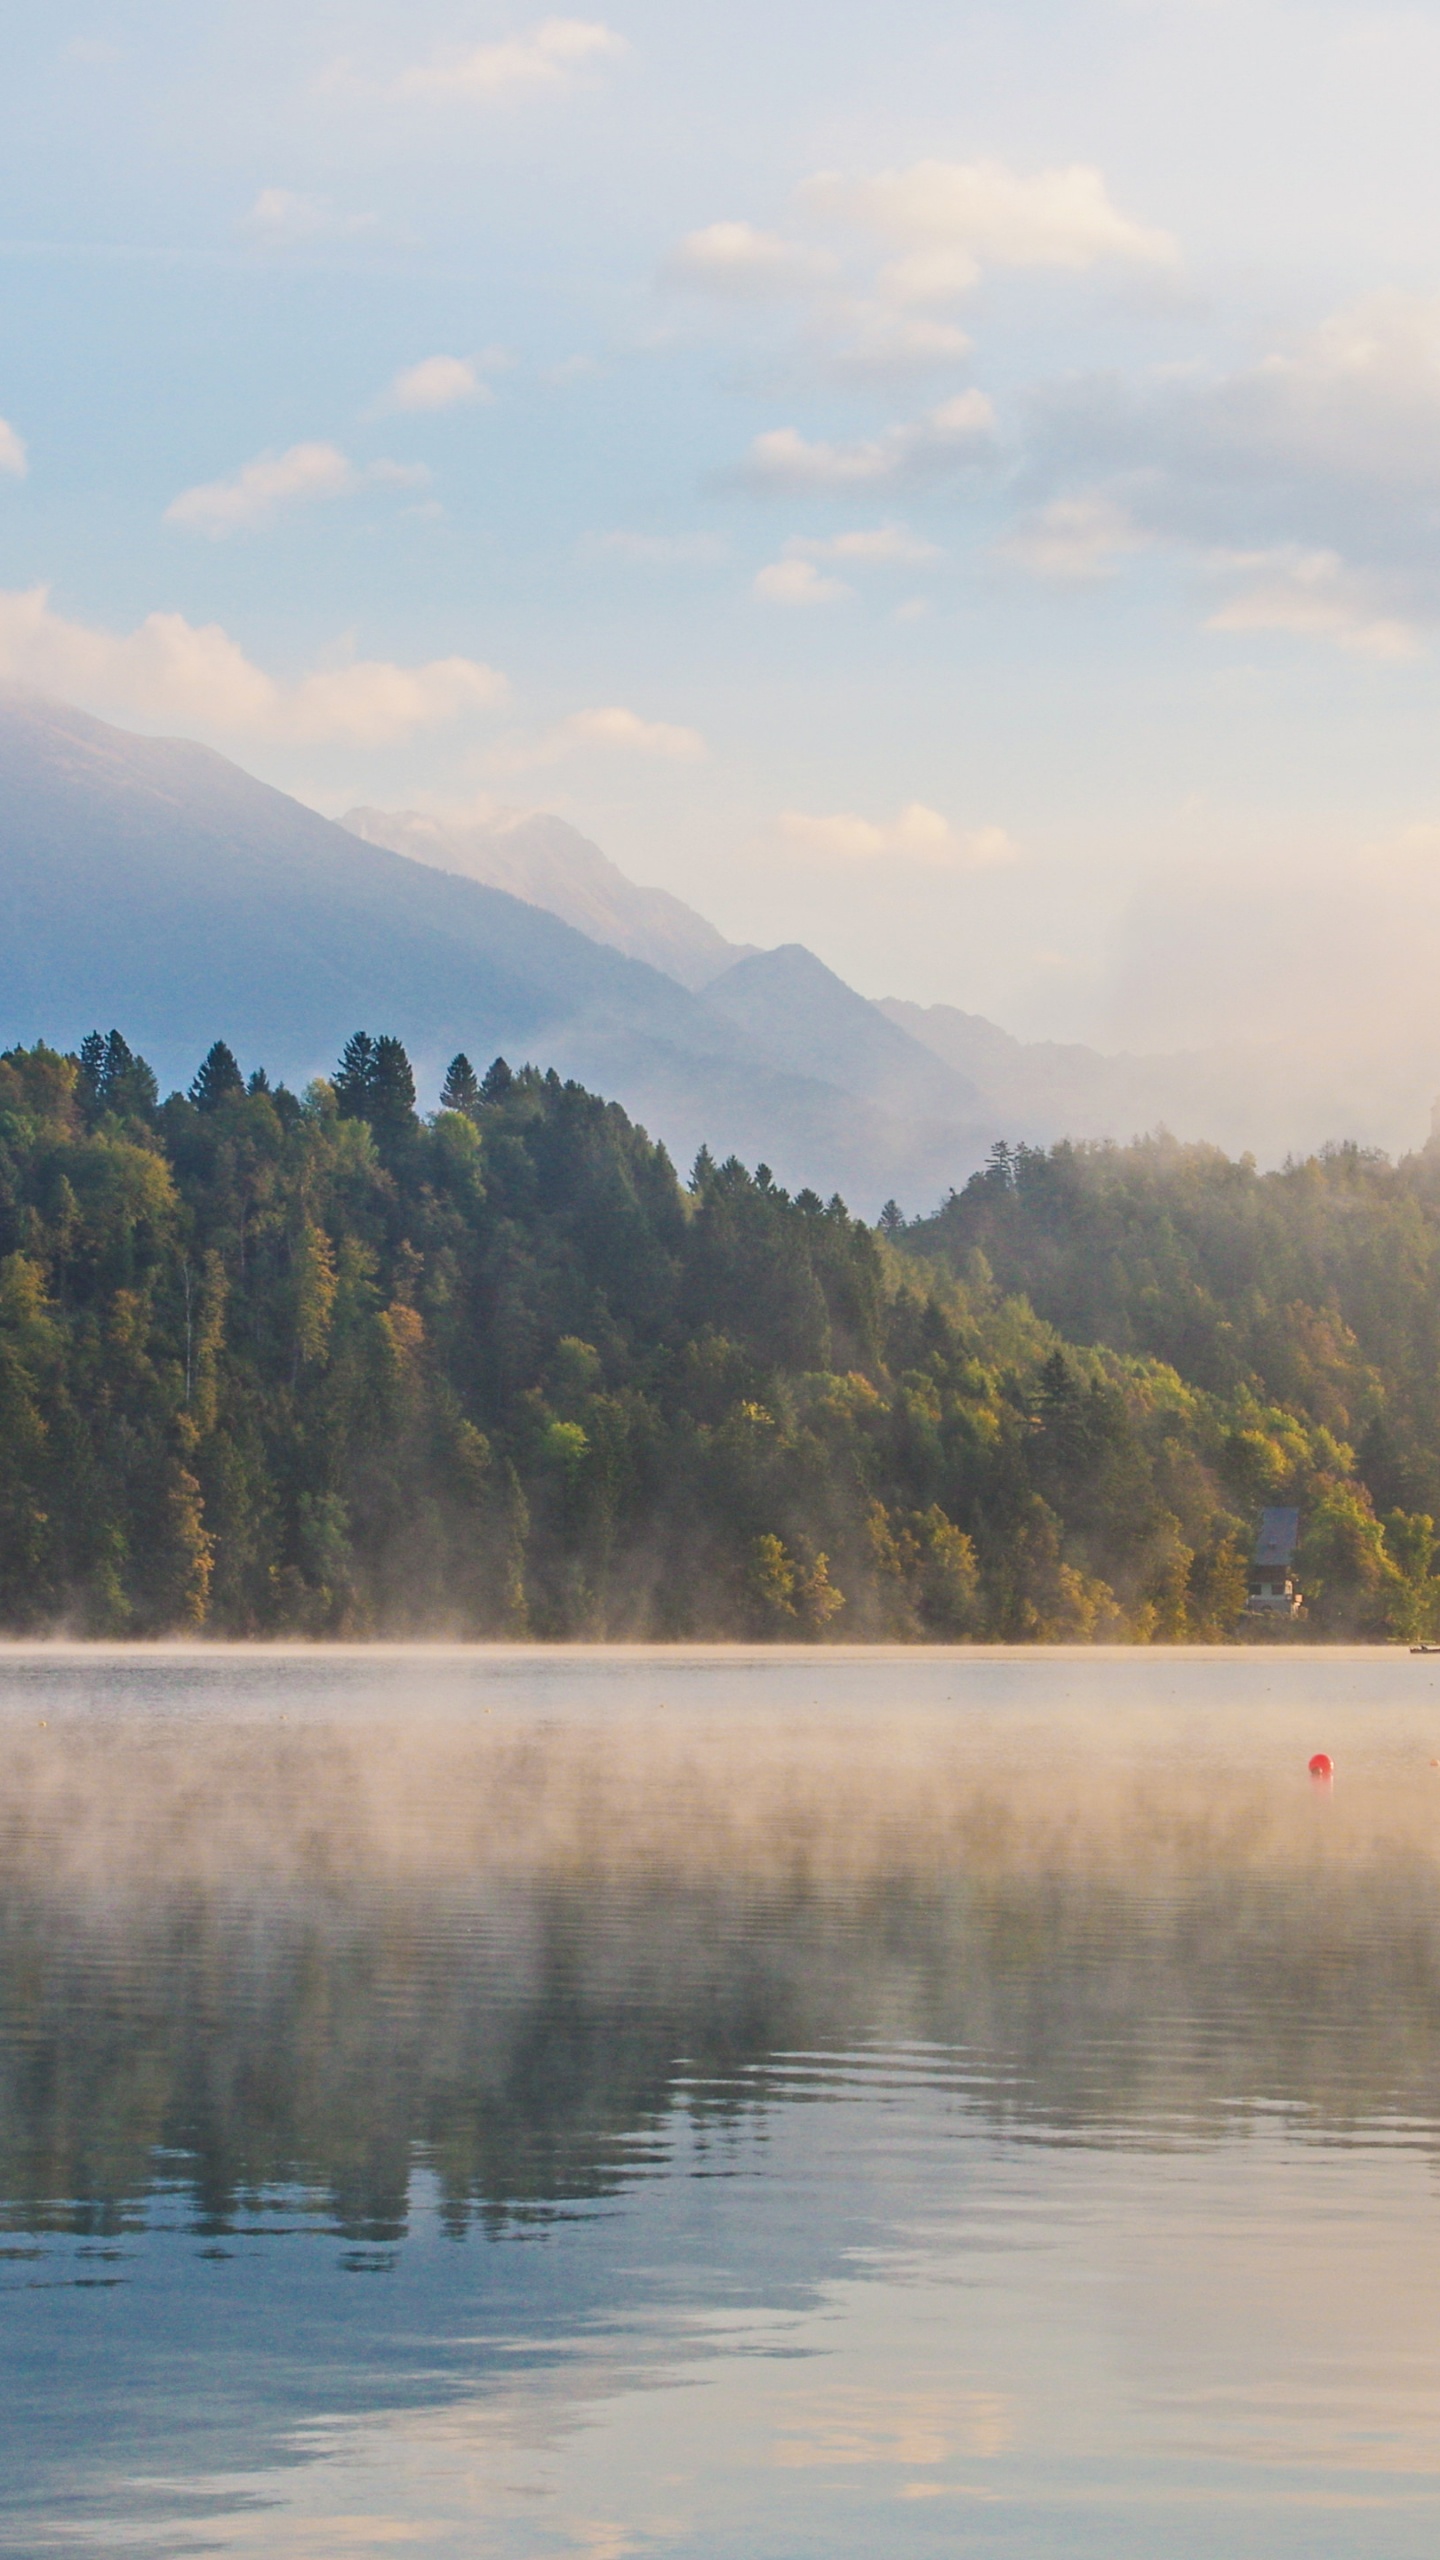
1074 541
1329 445
955 433
1314 595
540 59
734 259
198 678
281 219
951 219
1359 394
795 580
871 342
444 382
613 726
880 545
609 728
916 834
13 457
254 495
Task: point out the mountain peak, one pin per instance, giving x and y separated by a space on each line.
550 864
802 1016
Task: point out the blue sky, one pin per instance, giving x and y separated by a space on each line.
960 487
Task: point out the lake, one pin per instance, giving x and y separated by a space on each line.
797 2103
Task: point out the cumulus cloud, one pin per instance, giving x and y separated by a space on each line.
1330 442
957 432
255 494
197 678
608 728
1307 481
281 219
881 545
796 580
870 341
613 726
13 457
796 577
543 58
444 382
733 258
1074 541
915 835
1360 395
1314 594
951 219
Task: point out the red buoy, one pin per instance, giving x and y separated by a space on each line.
1322 1766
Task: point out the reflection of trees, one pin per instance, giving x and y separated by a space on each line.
522 2039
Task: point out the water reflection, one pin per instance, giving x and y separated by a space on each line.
642 2104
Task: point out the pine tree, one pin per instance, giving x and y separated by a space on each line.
90 1084
497 1082
218 1078
461 1089
112 1078
391 1108
119 1058
354 1078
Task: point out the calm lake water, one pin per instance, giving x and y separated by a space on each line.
792 2104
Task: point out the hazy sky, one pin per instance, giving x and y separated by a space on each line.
957 486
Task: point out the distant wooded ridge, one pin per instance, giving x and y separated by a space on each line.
277 1364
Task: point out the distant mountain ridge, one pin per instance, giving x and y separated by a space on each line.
550 864
806 1018
151 884
1270 1098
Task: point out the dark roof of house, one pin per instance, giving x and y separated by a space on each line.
1279 1536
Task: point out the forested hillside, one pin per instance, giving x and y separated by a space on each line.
273 1364
1304 1303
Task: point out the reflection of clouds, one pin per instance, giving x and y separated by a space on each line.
849 2425
1088 2333
1296 2328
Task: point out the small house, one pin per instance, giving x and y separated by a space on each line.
1273 1592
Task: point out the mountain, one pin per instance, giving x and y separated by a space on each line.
1269 1098
806 1019
1041 1088
151 884
551 865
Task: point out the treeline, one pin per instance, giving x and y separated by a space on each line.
315 1365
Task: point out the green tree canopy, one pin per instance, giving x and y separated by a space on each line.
217 1079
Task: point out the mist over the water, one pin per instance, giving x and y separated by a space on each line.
473 1912
712 2102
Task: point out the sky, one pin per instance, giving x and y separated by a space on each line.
955 486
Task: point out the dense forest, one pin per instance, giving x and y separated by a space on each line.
315 1365
1302 1308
